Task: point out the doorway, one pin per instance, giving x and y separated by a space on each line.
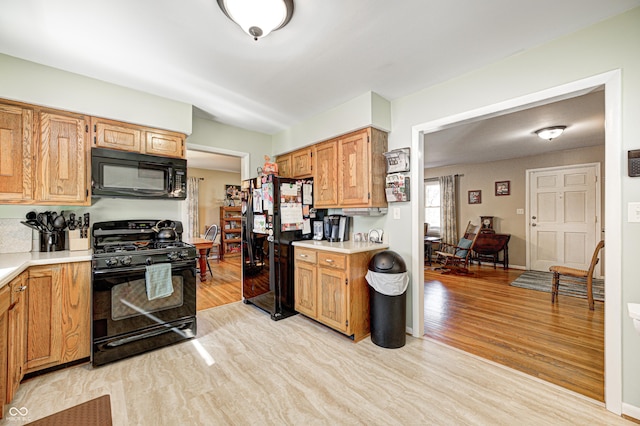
613 146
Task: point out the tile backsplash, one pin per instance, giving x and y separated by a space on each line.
14 236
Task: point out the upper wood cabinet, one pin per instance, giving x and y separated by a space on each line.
62 162
302 163
16 145
361 169
130 137
44 156
5 302
297 164
325 182
284 165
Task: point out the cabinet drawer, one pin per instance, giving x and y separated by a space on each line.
305 255
332 260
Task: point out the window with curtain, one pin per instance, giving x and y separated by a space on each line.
432 206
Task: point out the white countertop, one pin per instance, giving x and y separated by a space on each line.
347 247
12 264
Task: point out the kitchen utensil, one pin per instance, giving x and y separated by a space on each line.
42 221
59 223
31 224
85 226
165 231
72 222
32 215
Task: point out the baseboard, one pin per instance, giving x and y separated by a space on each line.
631 411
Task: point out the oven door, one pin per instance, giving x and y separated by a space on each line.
126 322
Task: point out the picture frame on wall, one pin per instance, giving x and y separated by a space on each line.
503 188
475 196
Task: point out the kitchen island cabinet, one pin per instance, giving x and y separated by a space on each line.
330 287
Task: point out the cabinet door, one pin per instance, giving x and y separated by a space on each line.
62 175
115 135
332 298
44 313
5 302
353 170
305 288
325 179
284 165
301 162
164 144
16 143
76 311
16 341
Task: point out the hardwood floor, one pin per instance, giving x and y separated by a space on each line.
519 328
223 288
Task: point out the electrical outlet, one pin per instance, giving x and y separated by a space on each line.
396 212
634 212
519 211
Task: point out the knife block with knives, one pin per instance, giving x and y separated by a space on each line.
78 232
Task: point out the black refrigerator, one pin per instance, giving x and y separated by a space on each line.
275 212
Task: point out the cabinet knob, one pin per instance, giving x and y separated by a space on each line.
329 260
303 255
21 288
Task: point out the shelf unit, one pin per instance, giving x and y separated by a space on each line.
230 229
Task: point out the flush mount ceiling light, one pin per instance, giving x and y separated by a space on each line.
258 17
549 133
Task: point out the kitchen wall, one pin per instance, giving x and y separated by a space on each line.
212 194
601 48
483 177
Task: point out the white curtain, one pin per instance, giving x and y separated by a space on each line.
448 209
193 225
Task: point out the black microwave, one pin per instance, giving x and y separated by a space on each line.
124 174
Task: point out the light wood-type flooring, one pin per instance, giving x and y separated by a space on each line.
519 328
244 369
483 315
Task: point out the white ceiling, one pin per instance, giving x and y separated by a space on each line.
331 51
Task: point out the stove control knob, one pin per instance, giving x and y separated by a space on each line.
148 261
172 255
112 261
184 253
126 260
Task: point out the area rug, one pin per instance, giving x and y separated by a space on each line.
541 281
96 412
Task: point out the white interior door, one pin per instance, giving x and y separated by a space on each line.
564 206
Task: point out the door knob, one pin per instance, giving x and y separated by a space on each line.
533 224
533 217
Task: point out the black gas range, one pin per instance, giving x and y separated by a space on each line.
126 320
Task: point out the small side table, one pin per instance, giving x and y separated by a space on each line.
428 248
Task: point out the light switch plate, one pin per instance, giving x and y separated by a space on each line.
519 211
396 212
634 212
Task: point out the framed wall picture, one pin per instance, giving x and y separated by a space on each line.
503 187
475 196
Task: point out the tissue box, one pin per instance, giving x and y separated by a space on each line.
77 243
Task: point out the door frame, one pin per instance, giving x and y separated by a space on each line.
598 206
612 81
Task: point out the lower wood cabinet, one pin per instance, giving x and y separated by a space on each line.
58 324
330 287
45 321
16 335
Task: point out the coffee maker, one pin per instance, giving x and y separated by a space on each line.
336 228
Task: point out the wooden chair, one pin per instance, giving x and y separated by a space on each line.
456 258
211 234
576 273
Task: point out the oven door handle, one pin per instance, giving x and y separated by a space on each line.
141 268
